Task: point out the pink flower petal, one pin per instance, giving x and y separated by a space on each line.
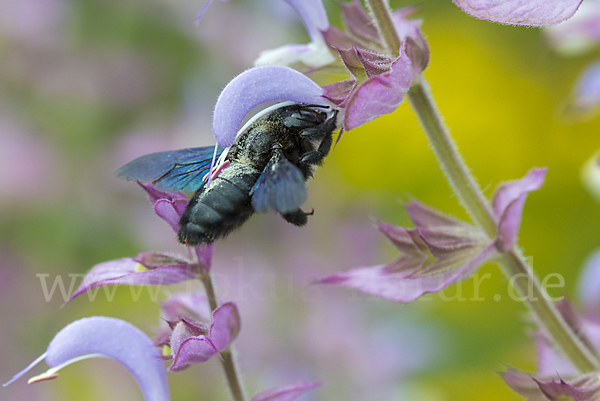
254 87
186 304
123 271
286 393
409 31
508 205
583 388
580 33
225 325
523 384
403 239
338 92
379 95
521 12
339 39
359 22
586 96
451 240
401 286
154 194
424 216
170 211
168 206
313 15
205 254
192 350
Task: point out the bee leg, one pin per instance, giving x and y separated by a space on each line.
298 217
313 133
317 156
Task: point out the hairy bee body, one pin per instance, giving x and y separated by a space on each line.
296 135
214 212
269 164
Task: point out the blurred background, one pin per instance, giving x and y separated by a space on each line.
88 85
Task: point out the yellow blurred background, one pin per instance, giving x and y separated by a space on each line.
88 85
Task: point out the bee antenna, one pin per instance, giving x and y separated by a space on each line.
319 106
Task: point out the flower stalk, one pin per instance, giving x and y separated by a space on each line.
380 11
512 262
464 185
228 361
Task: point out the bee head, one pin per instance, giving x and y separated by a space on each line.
300 116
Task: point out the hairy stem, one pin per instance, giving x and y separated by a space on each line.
380 11
228 362
472 198
512 262
451 162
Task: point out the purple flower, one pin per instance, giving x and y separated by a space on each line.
508 203
521 12
585 98
385 82
556 377
379 80
113 338
377 87
192 305
441 250
315 54
167 206
578 35
192 342
582 388
286 393
148 268
185 304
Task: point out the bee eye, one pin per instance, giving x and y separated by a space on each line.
308 116
301 117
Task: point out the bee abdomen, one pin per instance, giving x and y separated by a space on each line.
214 213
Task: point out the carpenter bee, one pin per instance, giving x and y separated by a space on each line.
266 168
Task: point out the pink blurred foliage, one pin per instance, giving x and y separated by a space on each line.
33 22
30 165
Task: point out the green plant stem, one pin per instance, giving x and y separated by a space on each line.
380 11
464 185
228 361
456 171
511 262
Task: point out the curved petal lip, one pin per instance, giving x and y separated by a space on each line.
521 12
254 87
113 338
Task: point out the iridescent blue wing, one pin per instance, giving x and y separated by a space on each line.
280 187
171 171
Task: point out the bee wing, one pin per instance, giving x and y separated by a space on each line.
281 186
171 171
